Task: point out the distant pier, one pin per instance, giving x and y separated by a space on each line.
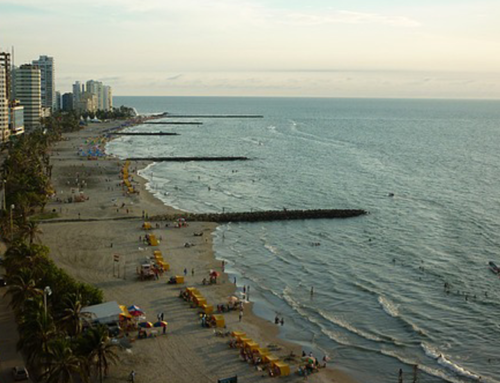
187 159
173 123
144 134
212 115
260 216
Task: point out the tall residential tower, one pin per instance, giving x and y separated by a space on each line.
27 88
48 87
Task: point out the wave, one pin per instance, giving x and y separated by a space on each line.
441 359
271 249
388 306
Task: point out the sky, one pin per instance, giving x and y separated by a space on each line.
313 48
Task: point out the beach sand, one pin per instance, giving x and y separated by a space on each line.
85 249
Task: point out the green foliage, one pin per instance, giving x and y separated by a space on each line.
116 113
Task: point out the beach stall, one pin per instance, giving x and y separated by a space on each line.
263 352
219 320
207 309
192 291
252 346
199 300
283 368
270 359
179 279
153 241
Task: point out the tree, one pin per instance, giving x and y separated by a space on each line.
62 365
71 320
22 289
36 331
101 352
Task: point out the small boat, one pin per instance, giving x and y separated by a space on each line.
494 268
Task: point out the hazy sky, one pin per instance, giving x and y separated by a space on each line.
337 48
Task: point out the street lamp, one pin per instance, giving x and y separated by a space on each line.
46 291
11 222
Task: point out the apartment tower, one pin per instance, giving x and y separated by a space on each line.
48 88
28 91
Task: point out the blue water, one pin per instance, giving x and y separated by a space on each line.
379 302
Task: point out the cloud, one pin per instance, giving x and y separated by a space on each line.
348 17
173 78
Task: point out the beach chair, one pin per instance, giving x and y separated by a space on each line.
252 346
179 279
153 241
146 226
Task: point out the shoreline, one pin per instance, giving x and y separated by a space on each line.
98 239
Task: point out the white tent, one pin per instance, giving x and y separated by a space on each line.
104 313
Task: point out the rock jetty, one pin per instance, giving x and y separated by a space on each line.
259 216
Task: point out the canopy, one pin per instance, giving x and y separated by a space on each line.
107 312
145 324
161 323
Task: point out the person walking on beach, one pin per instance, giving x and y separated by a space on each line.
131 376
240 315
192 272
282 321
185 271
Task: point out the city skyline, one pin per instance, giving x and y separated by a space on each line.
434 49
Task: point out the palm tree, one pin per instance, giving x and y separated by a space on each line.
22 289
36 331
61 364
32 231
100 351
72 318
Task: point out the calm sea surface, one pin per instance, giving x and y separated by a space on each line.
379 302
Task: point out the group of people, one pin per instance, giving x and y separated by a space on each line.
207 321
277 320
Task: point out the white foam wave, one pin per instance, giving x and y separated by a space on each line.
349 327
388 306
443 360
271 249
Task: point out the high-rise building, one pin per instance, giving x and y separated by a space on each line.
67 102
77 92
48 88
28 91
4 107
108 98
96 87
58 101
5 62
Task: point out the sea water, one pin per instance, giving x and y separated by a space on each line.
426 170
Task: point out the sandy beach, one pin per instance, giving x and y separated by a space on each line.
107 223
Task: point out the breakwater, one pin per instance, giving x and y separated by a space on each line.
173 123
186 159
259 216
213 115
144 134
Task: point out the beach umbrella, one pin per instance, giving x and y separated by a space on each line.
134 308
145 324
160 323
233 299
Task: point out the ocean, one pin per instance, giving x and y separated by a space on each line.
426 170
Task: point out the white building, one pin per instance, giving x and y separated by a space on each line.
48 88
16 118
27 89
4 107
